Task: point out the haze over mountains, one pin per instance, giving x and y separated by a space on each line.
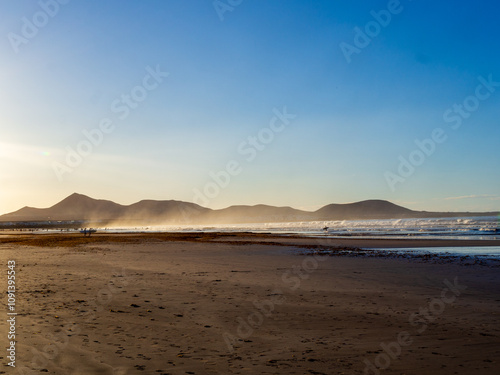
80 207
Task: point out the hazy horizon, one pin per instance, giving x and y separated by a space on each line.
310 209
227 103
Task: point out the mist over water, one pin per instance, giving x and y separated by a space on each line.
455 228
477 228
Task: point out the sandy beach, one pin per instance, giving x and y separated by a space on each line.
244 304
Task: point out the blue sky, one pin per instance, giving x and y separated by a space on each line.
228 74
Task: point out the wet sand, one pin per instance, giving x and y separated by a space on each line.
74 239
244 304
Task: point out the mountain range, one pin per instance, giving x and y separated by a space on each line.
78 207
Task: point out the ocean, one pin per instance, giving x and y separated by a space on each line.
452 228
471 228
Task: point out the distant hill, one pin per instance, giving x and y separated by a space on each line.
74 207
256 214
80 207
370 209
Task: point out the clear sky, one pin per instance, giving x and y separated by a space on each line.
172 90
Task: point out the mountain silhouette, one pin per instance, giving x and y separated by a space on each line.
370 209
79 207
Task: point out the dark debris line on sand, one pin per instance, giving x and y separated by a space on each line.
422 256
73 239
243 238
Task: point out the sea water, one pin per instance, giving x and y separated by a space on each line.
452 228
473 228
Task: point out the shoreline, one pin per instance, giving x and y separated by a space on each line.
75 239
415 250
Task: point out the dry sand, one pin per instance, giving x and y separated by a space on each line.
158 304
